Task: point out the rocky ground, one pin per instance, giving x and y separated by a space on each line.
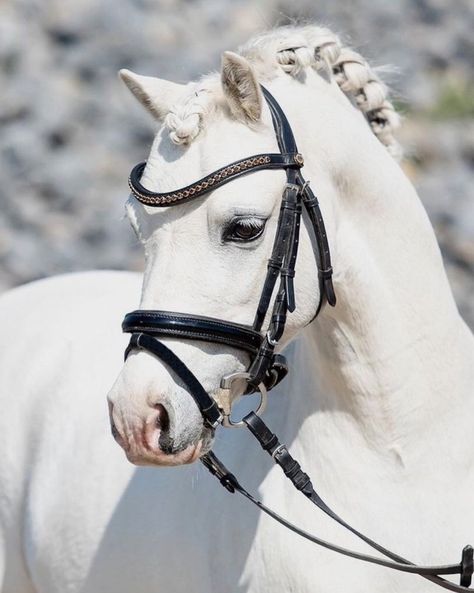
69 133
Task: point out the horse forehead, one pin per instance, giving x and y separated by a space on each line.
170 166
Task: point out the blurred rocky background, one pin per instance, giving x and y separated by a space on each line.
69 132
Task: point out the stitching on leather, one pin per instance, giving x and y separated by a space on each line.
216 323
224 340
184 332
203 184
215 179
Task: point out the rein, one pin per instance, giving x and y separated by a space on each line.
266 368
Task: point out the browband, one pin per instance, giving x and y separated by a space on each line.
211 181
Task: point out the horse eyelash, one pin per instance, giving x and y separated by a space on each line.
254 222
249 222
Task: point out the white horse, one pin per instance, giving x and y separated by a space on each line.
378 406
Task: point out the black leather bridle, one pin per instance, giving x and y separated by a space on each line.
267 368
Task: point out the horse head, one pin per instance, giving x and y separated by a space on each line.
209 256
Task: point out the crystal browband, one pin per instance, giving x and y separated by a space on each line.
211 181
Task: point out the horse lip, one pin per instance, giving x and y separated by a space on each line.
145 457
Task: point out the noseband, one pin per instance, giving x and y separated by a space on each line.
267 368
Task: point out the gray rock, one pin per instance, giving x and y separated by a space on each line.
69 133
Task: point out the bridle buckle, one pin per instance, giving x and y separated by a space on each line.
292 187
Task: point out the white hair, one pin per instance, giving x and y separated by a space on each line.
292 50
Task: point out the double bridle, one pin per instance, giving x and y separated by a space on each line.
267 368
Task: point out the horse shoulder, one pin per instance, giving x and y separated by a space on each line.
60 350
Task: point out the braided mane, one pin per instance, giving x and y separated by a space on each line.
292 50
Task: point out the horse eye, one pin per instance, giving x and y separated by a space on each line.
244 229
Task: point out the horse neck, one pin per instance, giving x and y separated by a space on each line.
393 363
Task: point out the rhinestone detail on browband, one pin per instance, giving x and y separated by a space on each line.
201 186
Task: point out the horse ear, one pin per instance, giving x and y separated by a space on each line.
241 88
155 94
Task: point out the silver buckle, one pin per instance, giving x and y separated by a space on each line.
293 186
223 399
270 340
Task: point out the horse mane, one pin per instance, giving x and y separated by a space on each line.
294 49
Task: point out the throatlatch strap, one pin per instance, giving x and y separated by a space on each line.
301 481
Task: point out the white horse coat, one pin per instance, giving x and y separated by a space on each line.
377 408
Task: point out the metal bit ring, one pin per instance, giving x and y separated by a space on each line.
226 386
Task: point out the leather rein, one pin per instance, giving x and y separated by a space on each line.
267 368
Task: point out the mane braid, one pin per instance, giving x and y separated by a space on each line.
293 49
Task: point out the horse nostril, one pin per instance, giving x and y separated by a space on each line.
162 420
116 434
113 428
157 435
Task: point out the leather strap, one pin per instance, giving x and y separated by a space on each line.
275 263
211 181
301 481
291 468
287 143
206 404
281 262
193 327
322 252
281 125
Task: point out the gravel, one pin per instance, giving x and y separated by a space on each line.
69 132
